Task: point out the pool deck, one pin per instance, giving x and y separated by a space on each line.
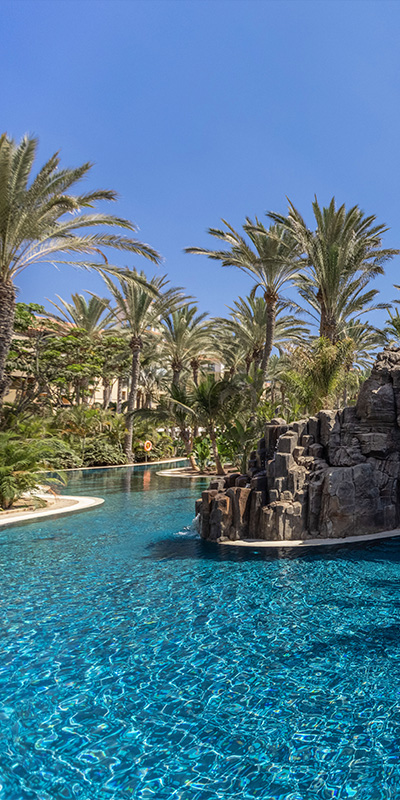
370 537
67 504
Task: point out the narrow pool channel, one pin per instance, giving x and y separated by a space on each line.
138 662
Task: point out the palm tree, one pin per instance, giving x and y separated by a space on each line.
152 382
88 316
268 258
138 310
41 222
392 327
363 340
247 322
91 317
339 259
208 401
186 339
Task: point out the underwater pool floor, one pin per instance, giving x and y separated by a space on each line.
139 662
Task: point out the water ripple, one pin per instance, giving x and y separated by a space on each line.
138 662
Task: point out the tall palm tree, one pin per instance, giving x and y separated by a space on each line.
186 339
89 316
40 221
138 310
267 256
339 258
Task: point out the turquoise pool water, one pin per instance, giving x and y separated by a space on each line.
139 662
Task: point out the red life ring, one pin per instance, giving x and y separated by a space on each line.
147 446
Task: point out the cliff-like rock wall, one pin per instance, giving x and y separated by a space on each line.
330 476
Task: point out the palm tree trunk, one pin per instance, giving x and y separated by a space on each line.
327 328
136 347
7 309
119 395
106 393
269 336
185 436
327 323
219 467
195 371
176 373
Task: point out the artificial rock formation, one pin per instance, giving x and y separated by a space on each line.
330 476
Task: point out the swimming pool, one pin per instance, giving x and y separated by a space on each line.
138 662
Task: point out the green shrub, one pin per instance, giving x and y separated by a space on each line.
20 465
202 451
99 452
61 455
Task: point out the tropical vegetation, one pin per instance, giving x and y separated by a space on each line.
86 380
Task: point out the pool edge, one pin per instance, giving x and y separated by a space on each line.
79 504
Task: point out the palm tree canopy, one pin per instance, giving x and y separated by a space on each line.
209 397
339 258
89 316
40 219
186 336
267 255
140 302
247 323
363 340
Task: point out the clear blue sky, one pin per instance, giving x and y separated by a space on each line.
195 110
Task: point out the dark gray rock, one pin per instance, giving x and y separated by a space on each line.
328 420
287 442
332 476
376 400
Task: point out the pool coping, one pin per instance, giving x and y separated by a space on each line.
176 473
368 537
119 466
79 503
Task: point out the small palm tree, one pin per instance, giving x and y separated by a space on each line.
392 327
362 343
268 257
40 221
138 311
339 258
186 341
208 401
152 382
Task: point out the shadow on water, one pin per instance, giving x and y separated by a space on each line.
369 640
194 547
